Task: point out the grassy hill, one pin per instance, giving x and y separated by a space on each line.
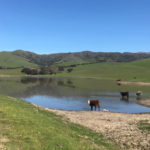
26 127
142 63
8 60
89 64
133 71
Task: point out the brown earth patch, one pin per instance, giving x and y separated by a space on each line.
135 83
4 140
2 147
144 102
121 128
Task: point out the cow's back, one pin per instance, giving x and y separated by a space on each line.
94 102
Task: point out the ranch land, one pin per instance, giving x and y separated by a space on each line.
22 123
28 127
50 111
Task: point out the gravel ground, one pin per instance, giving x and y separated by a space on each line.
121 128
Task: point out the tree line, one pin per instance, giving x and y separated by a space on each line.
45 70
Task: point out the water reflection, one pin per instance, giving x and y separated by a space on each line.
125 99
72 94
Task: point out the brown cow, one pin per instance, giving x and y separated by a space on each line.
94 103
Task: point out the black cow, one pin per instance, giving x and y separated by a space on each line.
124 95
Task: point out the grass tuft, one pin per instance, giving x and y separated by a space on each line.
144 125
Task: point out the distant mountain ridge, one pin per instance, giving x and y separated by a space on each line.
21 58
81 57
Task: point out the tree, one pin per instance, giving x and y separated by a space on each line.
30 70
44 70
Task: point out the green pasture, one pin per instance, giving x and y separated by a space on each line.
144 125
134 71
11 72
26 127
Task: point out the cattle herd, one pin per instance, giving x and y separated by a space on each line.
124 96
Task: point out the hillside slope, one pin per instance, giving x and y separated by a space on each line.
27 127
8 60
133 71
141 63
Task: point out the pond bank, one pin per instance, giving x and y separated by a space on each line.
144 102
78 77
122 128
135 83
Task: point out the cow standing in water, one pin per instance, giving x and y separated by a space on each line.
139 95
125 95
94 103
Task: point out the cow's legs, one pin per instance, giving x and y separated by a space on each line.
91 108
99 107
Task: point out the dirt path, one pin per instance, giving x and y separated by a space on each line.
122 128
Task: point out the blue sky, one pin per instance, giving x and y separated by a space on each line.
52 26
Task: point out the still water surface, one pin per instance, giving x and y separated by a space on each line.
73 94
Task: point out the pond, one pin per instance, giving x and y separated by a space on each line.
73 94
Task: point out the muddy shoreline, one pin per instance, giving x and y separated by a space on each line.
134 83
144 102
121 128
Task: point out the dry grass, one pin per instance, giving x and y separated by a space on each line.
2 147
3 140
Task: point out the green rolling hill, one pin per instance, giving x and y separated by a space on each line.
142 63
132 71
127 66
8 60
